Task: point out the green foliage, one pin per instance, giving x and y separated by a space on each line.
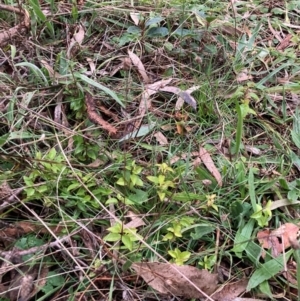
179 257
208 262
128 237
177 228
163 181
263 215
131 176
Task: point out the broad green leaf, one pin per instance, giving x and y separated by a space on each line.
242 238
112 237
133 29
52 154
127 242
121 182
268 270
296 138
157 32
153 21
3 139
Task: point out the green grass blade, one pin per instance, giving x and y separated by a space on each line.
268 270
239 129
38 73
100 87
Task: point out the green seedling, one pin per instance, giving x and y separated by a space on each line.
127 236
177 228
131 176
208 262
263 215
179 257
161 181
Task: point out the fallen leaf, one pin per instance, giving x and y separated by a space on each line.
135 17
231 291
145 103
135 222
269 241
143 130
210 165
184 281
161 138
79 35
184 96
284 43
243 76
139 65
279 239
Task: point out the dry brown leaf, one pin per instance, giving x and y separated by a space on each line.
268 241
231 291
243 76
210 165
161 138
135 222
183 156
145 103
284 43
169 279
279 239
139 65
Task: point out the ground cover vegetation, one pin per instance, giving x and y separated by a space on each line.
149 150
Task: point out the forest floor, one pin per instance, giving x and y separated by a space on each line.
149 150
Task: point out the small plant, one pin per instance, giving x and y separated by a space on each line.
263 215
178 228
210 202
127 236
179 257
208 262
161 181
130 177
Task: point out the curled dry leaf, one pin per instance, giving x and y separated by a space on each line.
139 65
231 291
210 165
135 222
184 281
184 96
145 103
161 138
279 239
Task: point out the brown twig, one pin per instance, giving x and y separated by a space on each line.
22 27
94 117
